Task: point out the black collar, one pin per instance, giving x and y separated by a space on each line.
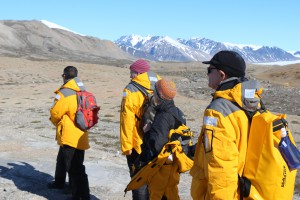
230 83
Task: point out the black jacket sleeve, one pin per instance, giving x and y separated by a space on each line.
157 137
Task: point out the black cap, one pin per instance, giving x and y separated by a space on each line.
230 62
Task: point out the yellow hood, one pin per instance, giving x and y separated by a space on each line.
74 84
147 80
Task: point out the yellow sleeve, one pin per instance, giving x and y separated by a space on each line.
127 122
221 155
59 109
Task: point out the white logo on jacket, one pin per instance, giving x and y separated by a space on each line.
57 97
211 121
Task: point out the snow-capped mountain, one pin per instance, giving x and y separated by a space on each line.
196 49
160 48
296 54
251 53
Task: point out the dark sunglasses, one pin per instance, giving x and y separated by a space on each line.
209 69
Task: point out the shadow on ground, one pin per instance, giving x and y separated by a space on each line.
27 178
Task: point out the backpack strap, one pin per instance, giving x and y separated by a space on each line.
140 88
243 182
278 124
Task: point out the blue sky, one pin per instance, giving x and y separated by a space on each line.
256 22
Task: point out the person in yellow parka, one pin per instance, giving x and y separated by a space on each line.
72 140
131 134
222 144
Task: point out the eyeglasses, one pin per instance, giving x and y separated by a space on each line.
209 69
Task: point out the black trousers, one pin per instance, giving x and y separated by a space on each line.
141 193
73 159
60 169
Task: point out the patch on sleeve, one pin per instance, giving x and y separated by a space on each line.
249 93
211 121
124 94
207 140
57 97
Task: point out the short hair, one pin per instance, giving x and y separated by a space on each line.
70 72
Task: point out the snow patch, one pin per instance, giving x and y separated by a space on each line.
294 53
280 63
53 25
174 43
241 46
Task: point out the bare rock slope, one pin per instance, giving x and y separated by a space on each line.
34 40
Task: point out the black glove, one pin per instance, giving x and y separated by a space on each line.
191 151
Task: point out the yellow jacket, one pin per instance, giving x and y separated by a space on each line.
130 133
63 115
222 144
180 164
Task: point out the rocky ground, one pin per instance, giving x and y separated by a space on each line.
27 146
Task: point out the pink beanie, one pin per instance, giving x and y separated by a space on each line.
140 66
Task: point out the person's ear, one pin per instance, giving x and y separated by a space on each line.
222 74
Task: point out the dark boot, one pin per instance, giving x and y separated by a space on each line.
55 185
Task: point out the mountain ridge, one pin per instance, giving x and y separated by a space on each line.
41 39
185 50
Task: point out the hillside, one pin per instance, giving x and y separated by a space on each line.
34 40
287 75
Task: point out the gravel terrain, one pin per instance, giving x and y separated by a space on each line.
27 146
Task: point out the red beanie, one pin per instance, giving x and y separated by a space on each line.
140 66
165 89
